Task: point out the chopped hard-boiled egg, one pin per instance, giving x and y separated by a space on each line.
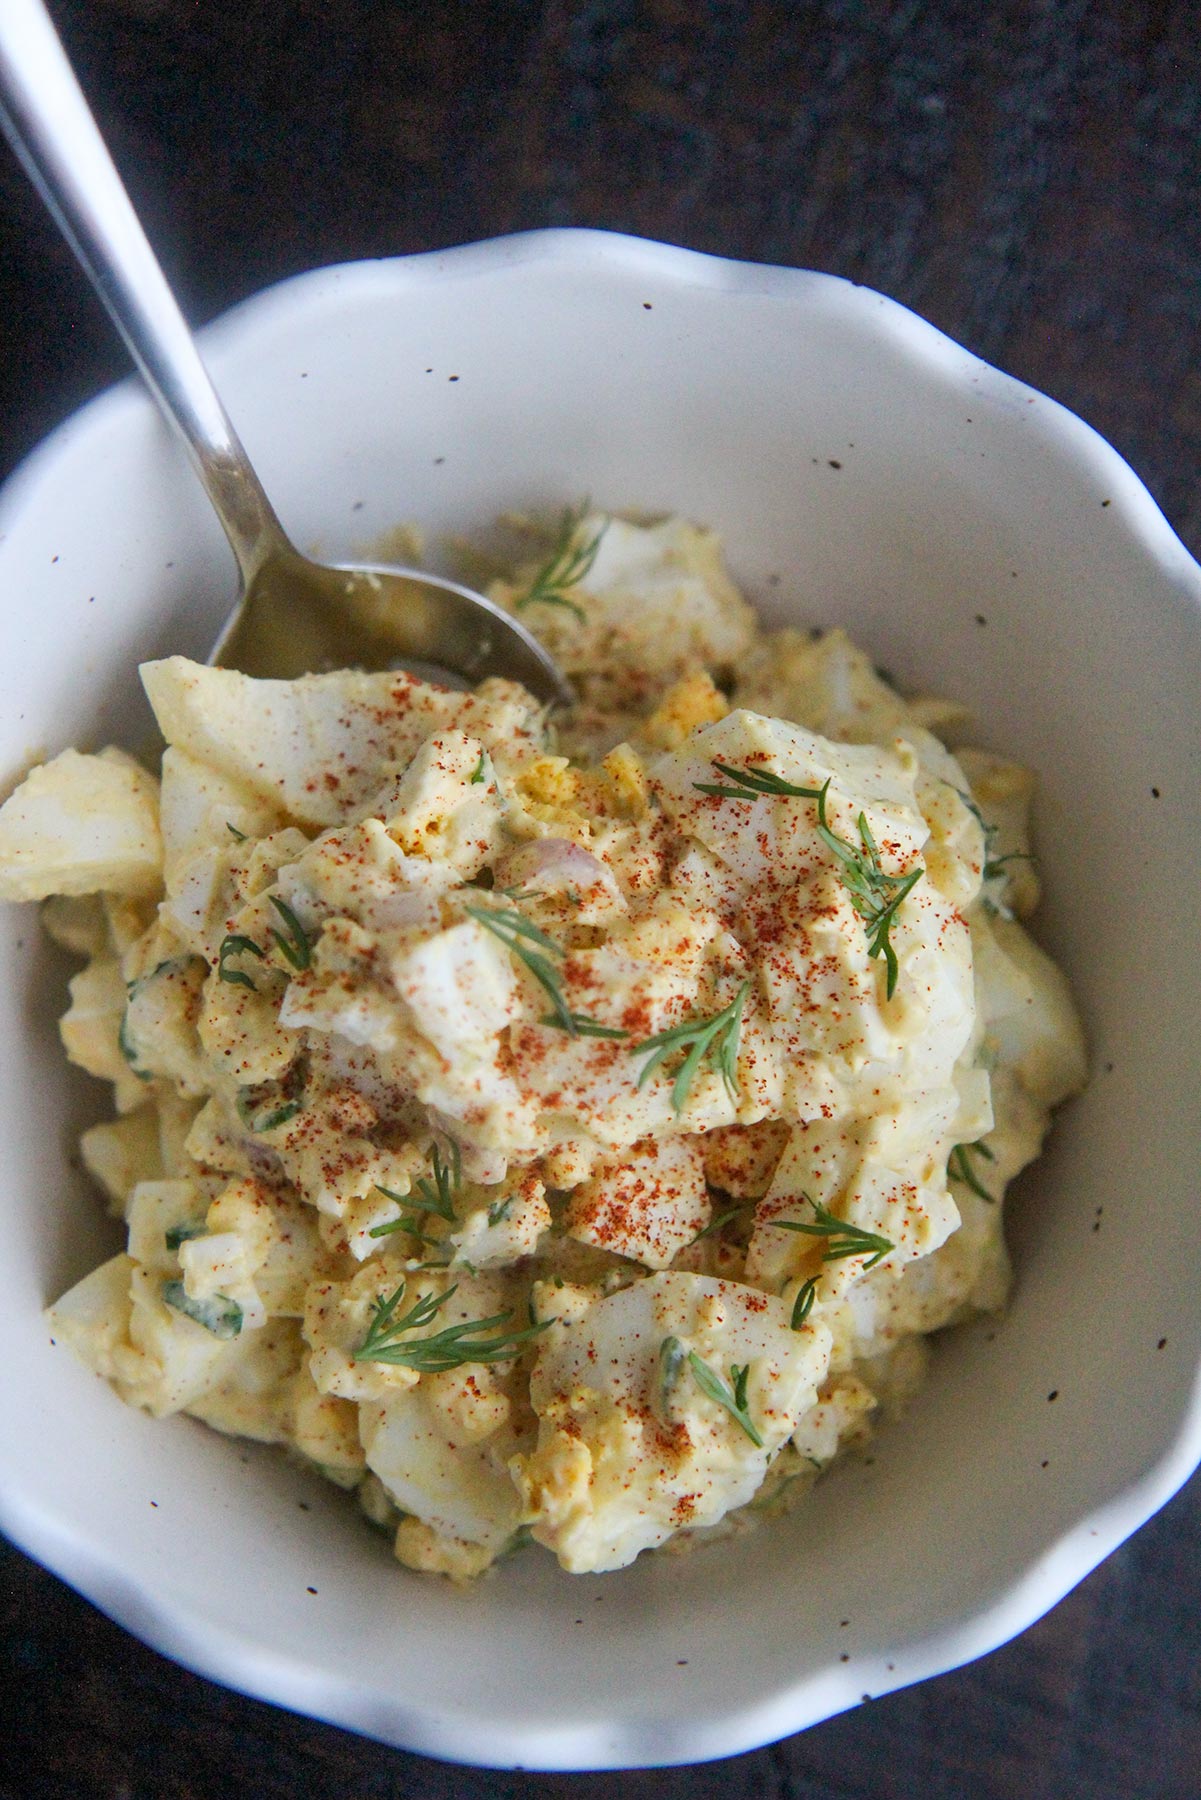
82 825
563 1131
661 1407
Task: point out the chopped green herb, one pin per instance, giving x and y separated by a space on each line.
239 836
717 1036
672 1357
478 773
521 1539
270 1118
175 1235
960 1169
220 1315
993 865
501 1209
280 1116
237 945
518 934
128 1050
747 784
125 1043
844 1239
974 809
126 1035
802 1306
296 948
449 1348
732 1397
567 565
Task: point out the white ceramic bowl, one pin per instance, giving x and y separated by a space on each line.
982 542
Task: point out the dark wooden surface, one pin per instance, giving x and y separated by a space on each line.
1027 174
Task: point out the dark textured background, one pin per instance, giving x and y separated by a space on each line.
1025 173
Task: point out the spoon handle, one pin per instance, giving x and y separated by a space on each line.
46 119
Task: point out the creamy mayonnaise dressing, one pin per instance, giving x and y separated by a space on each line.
558 1128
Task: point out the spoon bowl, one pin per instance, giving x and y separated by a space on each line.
295 616
299 617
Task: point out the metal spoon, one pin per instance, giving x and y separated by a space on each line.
295 615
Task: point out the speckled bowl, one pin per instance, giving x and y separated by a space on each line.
982 542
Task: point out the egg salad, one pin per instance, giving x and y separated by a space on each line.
556 1128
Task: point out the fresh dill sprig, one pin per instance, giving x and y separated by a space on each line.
449 1348
720 1220
993 865
409 1221
732 1396
747 784
499 1210
528 941
960 1169
802 1306
439 1190
237 945
875 895
520 935
844 1239
566 566
385 1325
583 1026
436 1193
717 1036
296 948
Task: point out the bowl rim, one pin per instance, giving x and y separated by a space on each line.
293 1682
